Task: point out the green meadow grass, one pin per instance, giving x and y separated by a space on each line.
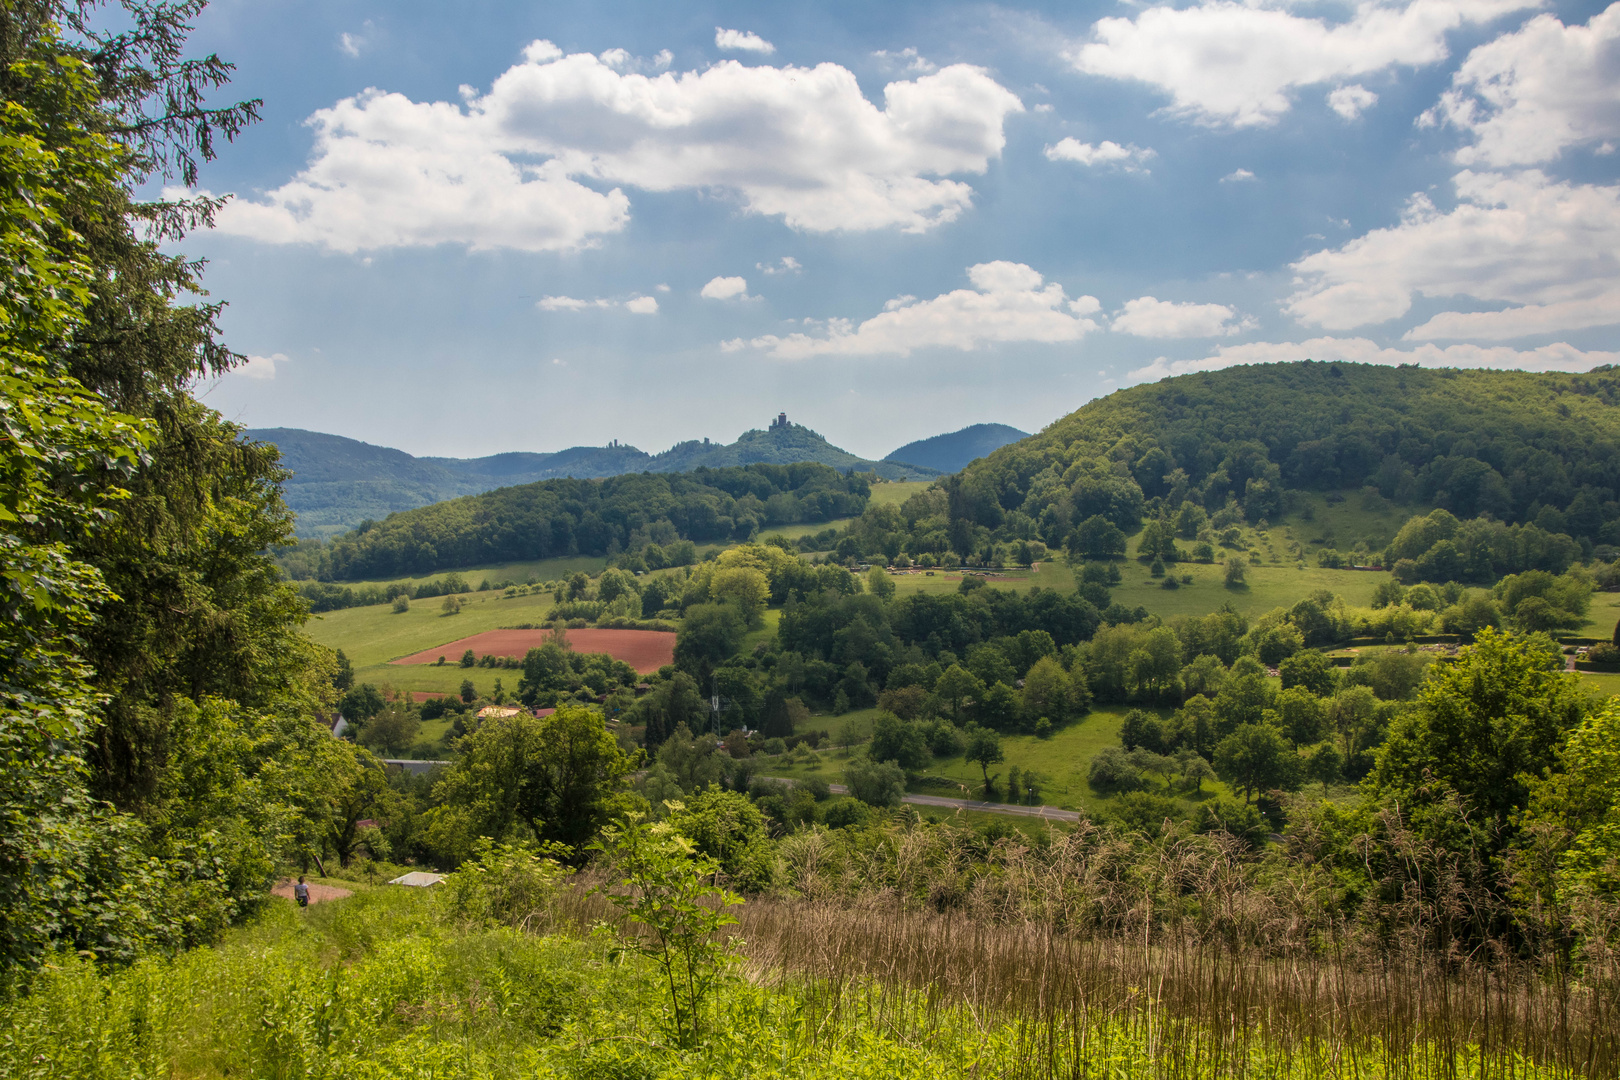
520 572
1601 619
1605 683
372 636
1266 587
895 492
793 532
1061 762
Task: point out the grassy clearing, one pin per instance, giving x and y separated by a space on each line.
765 634
520 572
793 532
376 634
1605 683
895 492
372 636
1061 761
1605 613
1267 587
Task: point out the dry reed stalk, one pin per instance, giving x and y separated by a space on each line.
1201 1005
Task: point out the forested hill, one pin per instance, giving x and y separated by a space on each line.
1515 446
337 483
554 518
949 453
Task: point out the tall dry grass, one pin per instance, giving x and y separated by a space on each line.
1219 962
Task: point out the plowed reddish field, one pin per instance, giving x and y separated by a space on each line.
644 650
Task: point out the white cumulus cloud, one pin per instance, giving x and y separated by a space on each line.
636 305
260 367
504 168
1549 249
1008 303
786 265
1237 176
905 60
1237 64
725 288
1351 101
1130 158
1559 357
742 41
1528 95
1147 316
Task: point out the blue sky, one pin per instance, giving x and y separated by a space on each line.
463 229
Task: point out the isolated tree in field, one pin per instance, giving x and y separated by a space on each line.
451 605
402 604
469 692
879 583
1099 538
469 658
1235 573
984 750
1194 770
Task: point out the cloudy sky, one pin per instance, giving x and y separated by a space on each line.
478 227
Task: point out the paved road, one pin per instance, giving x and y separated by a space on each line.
1049 813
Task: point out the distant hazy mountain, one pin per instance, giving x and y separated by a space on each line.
950 453
337 483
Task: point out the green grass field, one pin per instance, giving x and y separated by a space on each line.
1267 587
520 572
793 532
895 492
1603 616
1061 762
372 636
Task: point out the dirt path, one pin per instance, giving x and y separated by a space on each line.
317 893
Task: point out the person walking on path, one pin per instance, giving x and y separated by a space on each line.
301 892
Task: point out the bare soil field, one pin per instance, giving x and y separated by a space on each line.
644 650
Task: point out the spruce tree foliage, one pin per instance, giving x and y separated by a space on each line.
158 699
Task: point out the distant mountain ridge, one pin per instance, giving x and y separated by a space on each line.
952 452
337 482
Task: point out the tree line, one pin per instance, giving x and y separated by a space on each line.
644 520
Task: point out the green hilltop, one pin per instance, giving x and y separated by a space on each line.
1512 445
